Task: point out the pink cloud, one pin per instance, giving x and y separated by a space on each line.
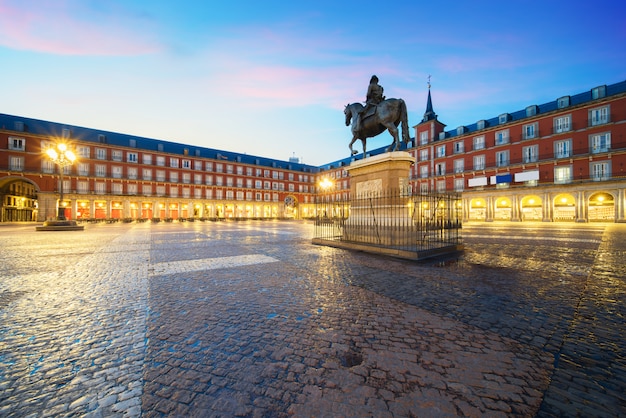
66 28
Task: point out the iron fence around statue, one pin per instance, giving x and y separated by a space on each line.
392 222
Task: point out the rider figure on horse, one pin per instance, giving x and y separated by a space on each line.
374 97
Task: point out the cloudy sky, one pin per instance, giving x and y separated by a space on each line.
271 78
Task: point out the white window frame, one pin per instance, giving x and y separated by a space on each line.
599 116
16 163
530 154
131 157
502 137
600 142
478 142
479 162
600 170
459 165
502 158
441 151
459 147
562 124
563 148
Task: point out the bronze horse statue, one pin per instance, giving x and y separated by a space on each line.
387 116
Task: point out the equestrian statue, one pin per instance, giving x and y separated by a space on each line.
378 114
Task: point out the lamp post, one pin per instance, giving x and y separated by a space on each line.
63 157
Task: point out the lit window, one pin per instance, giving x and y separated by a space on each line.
562 174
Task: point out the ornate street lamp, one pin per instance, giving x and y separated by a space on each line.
62 156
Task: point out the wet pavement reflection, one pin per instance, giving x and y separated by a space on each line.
251 319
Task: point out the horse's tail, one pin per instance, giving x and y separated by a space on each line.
405 122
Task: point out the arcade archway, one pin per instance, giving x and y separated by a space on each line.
18 200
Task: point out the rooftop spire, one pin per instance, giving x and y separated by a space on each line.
430 113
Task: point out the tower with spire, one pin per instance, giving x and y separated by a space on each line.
430 127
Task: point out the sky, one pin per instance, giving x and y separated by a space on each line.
271 78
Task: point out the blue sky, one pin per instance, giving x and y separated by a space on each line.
271 78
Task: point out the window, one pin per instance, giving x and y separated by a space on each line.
479 142
599 116
600 171
146 189
160 190
459 184
16 163
186 164
173 162
219 181
101 170
173 176
502 158
65 133
83 187
186 178
459 147
529 131
131 173
17 144
197 193
424 155
229 168
116 155
423 171
562 124
100 188
147 174
132 143
258 184
600 143
479 162
598 92
219 168
102 139
208 166
116 188
197 179
116 172
531 111
197 165
101 153
186 192
83 152
530 154
424 138
423 188
160 175
208 180
502 137
173 191
83 169
47 166
440 169
459 165
441 151
504 118
481 124
562 102
441 186
209 193
131 157
266 185
229 194
562 174
563 149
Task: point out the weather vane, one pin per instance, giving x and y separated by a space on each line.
428 82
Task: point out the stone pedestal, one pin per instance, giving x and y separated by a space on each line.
379 192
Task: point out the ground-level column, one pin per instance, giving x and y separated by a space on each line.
515 209
490 209
581 207
547 207
619 210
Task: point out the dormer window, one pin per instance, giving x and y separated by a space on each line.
531 110
460 130
504 118
598 92
481 124
563 102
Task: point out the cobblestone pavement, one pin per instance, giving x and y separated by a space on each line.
251 319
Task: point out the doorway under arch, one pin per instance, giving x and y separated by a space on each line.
601 207
532 208
564 207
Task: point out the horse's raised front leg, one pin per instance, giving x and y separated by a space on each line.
352 151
